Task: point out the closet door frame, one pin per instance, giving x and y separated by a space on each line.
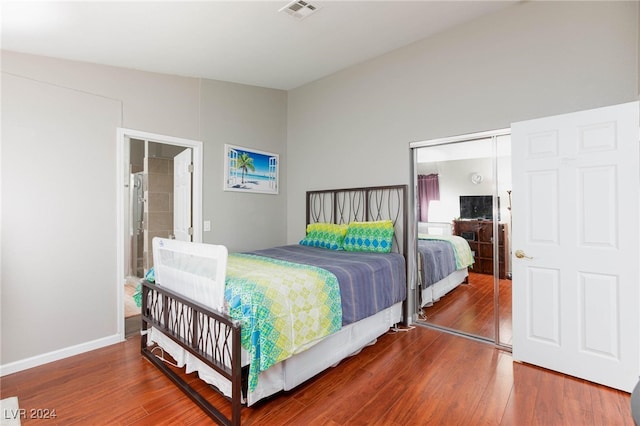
413 252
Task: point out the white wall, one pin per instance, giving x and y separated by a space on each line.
531 60
455 180
156 103
59 188
251 117
58 219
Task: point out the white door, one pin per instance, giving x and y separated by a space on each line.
575 222
182 171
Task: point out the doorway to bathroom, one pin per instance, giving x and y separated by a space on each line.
161 197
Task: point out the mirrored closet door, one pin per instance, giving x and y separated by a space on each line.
463 215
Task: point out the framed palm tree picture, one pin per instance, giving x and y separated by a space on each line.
250 170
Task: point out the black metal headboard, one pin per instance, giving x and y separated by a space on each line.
362 205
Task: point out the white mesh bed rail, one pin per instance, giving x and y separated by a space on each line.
195 270
186 305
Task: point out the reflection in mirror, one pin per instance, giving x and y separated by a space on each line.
463 200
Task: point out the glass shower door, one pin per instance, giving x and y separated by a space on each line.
137 224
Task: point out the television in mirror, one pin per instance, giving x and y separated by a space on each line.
479 207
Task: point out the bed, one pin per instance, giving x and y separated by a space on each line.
200 322
443 261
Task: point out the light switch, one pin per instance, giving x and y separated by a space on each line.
207 225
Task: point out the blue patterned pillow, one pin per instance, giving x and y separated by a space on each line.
325 235
369 236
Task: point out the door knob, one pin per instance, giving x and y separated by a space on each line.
521 255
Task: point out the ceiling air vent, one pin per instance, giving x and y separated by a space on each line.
299 9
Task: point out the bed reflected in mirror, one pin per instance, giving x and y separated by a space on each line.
463 197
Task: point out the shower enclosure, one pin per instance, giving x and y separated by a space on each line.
136 230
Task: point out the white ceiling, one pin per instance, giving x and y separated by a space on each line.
465 150
247 42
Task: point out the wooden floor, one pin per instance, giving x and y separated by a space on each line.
469 308
421 377
132 325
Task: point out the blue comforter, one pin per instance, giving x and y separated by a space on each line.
369 282
438 260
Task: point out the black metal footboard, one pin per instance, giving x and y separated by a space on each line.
211 336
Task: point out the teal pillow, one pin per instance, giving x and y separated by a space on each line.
374 237
325 235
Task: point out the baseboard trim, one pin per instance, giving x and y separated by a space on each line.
35 361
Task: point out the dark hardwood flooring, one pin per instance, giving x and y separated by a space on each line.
469 308
419 377
132 325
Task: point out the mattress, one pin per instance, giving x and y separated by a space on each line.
435 291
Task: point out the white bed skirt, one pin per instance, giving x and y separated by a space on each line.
293 371
434 292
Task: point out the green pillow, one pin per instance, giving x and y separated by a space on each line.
325 235
369 236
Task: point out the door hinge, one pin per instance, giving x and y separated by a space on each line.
190 168
190 230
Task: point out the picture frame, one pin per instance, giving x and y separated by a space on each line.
250 170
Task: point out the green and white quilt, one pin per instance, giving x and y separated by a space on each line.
284 307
